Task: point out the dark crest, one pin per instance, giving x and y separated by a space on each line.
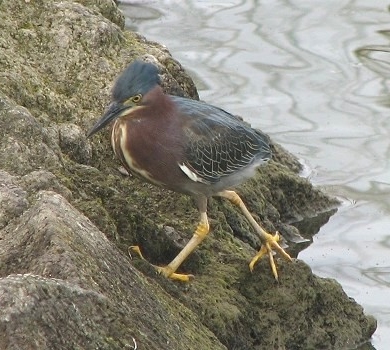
138 78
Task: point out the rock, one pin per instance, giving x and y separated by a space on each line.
13 200
74 143
68 287
64 284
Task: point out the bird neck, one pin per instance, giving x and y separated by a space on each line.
161 104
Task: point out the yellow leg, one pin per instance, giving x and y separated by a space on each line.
269 242
170 270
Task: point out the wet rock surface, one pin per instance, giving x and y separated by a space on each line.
68 214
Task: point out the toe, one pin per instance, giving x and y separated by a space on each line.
166 271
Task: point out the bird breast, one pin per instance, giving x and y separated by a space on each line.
148 149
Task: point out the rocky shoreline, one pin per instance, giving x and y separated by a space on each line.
68 214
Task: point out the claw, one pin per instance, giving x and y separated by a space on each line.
166 271
271 242
136 249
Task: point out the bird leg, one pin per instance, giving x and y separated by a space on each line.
170 270
269 242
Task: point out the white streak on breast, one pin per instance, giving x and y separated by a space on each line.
128 157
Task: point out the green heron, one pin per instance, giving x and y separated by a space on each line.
186 146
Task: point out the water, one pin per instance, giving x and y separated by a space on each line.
313 75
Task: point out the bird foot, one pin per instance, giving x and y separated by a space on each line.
270 243
166 271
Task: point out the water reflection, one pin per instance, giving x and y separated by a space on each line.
379 275
376 58
314 76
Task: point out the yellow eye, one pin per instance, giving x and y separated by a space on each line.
136 98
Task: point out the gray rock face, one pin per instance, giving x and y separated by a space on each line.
67 215
67 286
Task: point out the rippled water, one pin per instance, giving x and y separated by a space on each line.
314 75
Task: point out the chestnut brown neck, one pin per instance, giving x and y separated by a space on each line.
160 103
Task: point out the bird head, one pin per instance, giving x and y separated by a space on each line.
128 92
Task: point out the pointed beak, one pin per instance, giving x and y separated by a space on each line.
113 111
